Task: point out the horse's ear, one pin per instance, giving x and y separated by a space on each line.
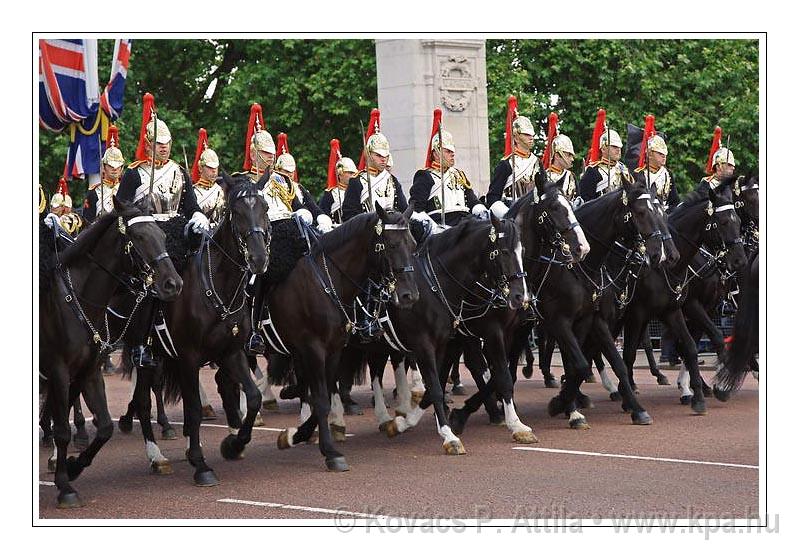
712 196
119 205
262 181
381 212
408 212
540 180
495 222
227 180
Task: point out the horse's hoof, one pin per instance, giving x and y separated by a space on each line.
707 391
339 433
270 406
556 406
721 395
231 448
69 500
337 464
583 401
615 396
74 470
524 436
416 397
205 478
625 407
661 379
285 438
686 399
457 420
527 372
161 467
81 442
579 424
402 413
389 428
454 447
699 408
635 388
641 418
591 378
125 424
51 464
551 382
259 421
169 434
208 413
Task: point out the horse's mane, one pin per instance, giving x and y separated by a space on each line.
519 203
88 238
597 207
450 236
339 236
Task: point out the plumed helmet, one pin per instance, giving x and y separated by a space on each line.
447 142
346 164
562 143
162 135
522 125
610 137
378 144
209 158
724 155
286 163
657 144
262 141
113 155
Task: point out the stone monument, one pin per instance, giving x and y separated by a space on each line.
417 75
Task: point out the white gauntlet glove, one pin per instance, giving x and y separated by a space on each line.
324 223
499 209
305 215
52 221
480 211
199 222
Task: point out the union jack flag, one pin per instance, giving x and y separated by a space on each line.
111 99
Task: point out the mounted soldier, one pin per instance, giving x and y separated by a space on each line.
61 210
259 148
652 165
374 183
340 171
558 158
513 176
720 165
440 186
153 175
205 170
100 198
605 170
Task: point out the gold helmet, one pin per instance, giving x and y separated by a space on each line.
378 144
113 155
562 143
209 158
262 142
447 142
610 137
346 164
60 200
657 144
163 135
523 125
286 163
724 155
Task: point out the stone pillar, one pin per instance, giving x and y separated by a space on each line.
417 75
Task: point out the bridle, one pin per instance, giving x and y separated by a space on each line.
557 239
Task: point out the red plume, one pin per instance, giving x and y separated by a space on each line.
283 148
511 114
649 132
552 130
63 186
714 147
202 144
373 127
333 158
599 128
113 137
148 106
255 124
437 122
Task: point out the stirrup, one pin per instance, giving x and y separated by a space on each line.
142 356
255 345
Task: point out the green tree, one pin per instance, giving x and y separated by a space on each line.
689 85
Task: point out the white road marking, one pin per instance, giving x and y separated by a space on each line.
639 457
46 483
336 512
226 427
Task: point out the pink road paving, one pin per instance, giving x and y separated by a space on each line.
409 476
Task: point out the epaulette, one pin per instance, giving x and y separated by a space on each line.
594 163
137 163
504 158
239 173
638 169
708 179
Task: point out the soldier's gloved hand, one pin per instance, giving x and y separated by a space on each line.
52 221
199 222
324 223
422 217
480 211
499 209
305 215
577 203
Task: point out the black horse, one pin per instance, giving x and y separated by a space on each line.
209 322
309 308
72 321
660 293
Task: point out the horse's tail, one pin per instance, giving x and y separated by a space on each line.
280 370
172 386
744 344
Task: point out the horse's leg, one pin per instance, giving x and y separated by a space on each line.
377 363
688 348
269 401
141 399
428 361
81 437
229 393
486 396
205 403
336 418
125 421
59 400
403 403
167 431
189 379
94 393
45 422
647 344
237 369
547 347
317 371
705 324
636 320
575 367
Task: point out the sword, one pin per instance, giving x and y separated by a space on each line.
153 152
441 168
366 160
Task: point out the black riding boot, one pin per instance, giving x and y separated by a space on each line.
255 344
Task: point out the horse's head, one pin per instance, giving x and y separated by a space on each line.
557 223
637 207
148 244
247 215
723 230
504 261
394 250
745 198
670 249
